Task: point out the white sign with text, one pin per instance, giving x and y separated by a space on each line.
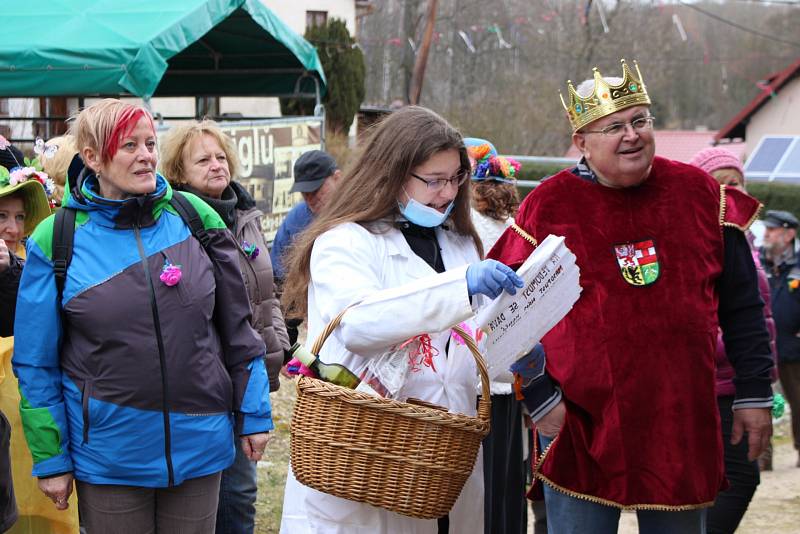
514 324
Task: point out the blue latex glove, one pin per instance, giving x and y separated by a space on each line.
490 278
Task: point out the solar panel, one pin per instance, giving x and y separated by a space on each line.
791 160
776 158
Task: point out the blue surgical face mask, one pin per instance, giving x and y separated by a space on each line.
423 215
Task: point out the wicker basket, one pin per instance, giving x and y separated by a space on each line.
411 459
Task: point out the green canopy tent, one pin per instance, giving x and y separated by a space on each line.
151 48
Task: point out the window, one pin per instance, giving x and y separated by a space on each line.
316 18
3 106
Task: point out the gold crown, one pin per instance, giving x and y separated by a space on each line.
606 98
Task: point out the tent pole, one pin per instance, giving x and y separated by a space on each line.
319 108
319 111
47 114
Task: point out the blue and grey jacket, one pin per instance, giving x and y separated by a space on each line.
128 380
785 303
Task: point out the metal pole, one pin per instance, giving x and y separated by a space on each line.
319 111
545 160
47 114
319 108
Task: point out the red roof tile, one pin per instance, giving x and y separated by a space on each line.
736 127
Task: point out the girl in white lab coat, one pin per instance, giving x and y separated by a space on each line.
397 240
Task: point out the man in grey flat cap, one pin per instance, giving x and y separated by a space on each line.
779 257
315 177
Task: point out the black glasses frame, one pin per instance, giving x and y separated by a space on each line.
438 184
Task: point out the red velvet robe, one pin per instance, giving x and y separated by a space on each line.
636 362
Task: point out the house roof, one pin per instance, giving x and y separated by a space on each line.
736 127
680 145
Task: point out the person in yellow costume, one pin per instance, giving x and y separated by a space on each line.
23 204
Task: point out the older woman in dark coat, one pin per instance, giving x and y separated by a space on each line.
201 159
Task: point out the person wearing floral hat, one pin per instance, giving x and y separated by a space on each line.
23 204
494 192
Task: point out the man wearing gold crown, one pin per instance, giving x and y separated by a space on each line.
626 413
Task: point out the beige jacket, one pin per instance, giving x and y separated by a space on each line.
257 273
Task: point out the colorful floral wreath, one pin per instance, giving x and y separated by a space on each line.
492 167
31 169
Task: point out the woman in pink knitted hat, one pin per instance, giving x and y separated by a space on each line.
743 475
722 164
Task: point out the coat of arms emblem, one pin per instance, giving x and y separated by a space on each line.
638 262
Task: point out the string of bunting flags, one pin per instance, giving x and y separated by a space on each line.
510 35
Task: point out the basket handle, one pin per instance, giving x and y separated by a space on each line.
484 404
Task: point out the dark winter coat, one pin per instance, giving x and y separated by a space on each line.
129 379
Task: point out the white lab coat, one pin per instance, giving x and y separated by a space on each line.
400 297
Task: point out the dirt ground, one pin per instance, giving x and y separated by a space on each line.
775 508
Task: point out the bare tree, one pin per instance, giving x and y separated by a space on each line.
495 68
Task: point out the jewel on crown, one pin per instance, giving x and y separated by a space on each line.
606 98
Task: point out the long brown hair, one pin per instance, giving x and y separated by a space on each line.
370 187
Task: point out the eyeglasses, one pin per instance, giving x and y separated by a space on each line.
439 183
618 128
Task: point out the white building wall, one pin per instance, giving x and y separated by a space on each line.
165 106
293 13
778 116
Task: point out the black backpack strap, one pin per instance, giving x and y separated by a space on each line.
63 234
190 216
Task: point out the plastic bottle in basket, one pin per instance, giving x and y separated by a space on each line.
385 375
329 372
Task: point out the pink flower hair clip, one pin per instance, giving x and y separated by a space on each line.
170 274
